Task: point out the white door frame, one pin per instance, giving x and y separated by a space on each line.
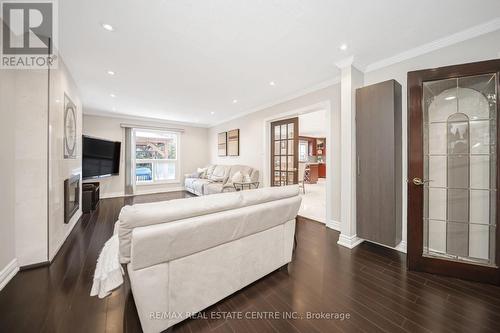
266 166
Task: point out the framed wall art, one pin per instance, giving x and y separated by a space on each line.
233 142
70 137
222 144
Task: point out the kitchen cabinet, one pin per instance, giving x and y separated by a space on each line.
321 170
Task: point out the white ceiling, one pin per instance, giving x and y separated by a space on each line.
182 60
313 124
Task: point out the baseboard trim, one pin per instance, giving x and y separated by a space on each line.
8 272
349 241
160 190
142 192
36 265
112 195
332 224
401 247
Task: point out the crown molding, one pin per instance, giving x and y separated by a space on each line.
107 114
455 38
458 37
297 94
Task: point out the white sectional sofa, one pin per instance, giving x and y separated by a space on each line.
217 178
184 255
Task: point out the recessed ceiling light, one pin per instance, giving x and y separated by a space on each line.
114 109
343 47
112 95
235 101
272 83
108 27
111 73
449 98
212 113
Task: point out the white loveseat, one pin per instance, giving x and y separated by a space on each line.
185 255
217 178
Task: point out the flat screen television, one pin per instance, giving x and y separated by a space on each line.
100 158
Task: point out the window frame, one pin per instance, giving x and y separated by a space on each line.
154 161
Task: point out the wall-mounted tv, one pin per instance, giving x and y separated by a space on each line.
100 158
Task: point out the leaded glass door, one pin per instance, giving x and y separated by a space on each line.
284 152
452 201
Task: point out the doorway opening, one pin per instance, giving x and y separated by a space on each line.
301 157
312 164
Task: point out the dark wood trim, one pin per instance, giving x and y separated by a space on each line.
415 169
295 122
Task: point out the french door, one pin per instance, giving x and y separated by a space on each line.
284 152
453 171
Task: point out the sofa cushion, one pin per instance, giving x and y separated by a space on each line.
243 169
237 177
220 173
210 170
213 188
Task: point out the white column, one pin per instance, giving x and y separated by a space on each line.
351 79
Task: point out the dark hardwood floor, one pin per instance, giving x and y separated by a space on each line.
370 284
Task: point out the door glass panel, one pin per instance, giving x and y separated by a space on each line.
460 165
283 178
283 132
283 147
283 163
290 163
290 147
277 147
284 144
290 131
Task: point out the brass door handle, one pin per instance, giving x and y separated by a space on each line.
419 181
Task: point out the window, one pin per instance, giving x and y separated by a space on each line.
303 151
156 156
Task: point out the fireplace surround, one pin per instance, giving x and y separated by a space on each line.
71 197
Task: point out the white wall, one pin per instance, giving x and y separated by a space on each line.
485 47
30 232
31 112
193 151
7 171
60 169
252 127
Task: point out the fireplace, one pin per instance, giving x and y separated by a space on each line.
71 197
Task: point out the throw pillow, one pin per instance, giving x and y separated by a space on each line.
237 177
217 178
247 179
202 172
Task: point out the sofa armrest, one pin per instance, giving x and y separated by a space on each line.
254 176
